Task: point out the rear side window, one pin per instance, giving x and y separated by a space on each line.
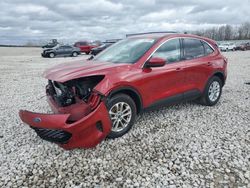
169 51
193 48
83 43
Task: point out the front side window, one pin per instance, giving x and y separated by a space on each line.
170 51
126 51
193 48
66 47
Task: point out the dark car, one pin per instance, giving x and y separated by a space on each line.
85 46
243 46
65 50
98 98
98 49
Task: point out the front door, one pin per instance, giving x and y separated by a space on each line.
167 82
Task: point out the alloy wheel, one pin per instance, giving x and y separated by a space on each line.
214 91
120 114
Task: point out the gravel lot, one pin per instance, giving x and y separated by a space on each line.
185 145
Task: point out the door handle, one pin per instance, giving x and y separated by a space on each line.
178 69
209 64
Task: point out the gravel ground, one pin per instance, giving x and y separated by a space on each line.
185 145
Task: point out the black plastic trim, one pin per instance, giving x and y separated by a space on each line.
52 135
124 88
186 96
99 126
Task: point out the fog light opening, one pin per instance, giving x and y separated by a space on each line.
99 126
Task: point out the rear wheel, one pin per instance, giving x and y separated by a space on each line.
212 92
122 112
74 54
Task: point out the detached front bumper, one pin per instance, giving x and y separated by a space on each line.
86 132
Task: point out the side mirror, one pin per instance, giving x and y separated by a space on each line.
155 62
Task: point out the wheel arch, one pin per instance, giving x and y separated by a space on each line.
132 92
221 75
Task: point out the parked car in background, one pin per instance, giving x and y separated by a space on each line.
98 98
97 50
65 50
53 43
85 46
227 47
243 46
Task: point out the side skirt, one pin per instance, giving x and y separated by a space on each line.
183 97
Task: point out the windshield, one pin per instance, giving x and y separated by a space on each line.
125 51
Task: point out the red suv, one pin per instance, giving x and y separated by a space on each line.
101 97
85 46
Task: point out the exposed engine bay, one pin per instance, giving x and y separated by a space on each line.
68 93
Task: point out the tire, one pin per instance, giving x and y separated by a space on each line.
119 124
74 54
214 85
87 53
52 55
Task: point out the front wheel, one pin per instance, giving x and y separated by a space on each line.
212 92
52 55
122 112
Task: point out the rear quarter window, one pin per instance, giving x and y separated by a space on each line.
207 48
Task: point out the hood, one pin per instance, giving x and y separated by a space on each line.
48 49
83 68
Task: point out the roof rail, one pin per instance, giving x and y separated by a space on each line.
153 32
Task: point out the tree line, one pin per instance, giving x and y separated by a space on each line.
226 32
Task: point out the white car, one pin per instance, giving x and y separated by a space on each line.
227 47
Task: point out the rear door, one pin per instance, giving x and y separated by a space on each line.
84 47
198 58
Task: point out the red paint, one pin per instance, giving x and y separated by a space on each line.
152 84
84 131
85 46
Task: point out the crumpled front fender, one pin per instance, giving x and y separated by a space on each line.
87 132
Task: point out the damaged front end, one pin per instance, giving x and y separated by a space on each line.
80 118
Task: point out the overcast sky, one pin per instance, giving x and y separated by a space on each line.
71 20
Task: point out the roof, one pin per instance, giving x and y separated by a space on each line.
151 33
159 35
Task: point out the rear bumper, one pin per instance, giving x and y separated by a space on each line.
85 132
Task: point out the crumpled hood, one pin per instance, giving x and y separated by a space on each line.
77 69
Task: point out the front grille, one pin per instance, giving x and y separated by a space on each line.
58 136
